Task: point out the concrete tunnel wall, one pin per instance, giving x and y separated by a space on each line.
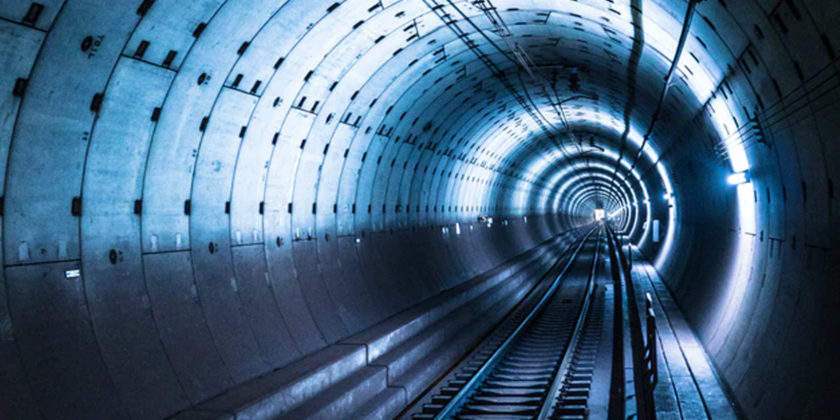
241 183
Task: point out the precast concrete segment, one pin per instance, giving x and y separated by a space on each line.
197 193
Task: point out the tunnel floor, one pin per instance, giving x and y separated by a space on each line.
587 330
689 385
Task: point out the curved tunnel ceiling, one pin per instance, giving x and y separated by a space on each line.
199 192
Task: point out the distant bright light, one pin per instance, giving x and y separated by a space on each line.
599 215
738 178
666 196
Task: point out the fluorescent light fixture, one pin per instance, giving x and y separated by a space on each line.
738 178
72 274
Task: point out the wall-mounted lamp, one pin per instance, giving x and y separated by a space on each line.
738 178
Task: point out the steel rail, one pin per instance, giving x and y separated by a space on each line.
462 397
551 396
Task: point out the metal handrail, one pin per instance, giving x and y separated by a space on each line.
646 368
651 364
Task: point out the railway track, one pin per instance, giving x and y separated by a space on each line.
540 362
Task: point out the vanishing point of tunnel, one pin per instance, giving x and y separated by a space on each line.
419 209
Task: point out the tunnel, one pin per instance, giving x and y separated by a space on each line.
316 208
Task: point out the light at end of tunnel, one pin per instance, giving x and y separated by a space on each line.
599 215
738 178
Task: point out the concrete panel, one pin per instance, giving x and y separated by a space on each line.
57 115
19 46
347 186
57 344
175 143
213 274
364 188
260 59
114 284
320 301
15 390
354 276
182 326
334 161
170 25
17 11
270 44
345 285
279 234
384 289
260 306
